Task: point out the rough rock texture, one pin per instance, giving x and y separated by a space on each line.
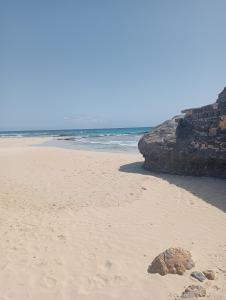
194 291
210 274
172 261
190 144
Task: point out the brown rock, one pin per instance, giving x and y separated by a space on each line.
172 261
210 274
194 291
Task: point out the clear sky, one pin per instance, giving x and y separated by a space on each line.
108 63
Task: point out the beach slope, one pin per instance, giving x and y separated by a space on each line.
86 225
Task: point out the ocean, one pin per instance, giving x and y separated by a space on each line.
110 139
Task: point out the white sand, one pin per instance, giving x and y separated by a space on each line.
85 225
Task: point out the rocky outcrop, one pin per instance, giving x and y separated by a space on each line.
191 144
172 261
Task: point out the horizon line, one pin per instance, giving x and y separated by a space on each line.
30 130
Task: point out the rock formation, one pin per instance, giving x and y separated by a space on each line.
172 261
191 144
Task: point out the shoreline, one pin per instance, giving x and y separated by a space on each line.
119 140
52 142
86 225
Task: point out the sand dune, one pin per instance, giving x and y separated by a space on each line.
86 225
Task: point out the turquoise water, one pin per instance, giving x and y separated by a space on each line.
110 139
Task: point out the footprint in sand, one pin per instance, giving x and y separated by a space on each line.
108 264
105 276
50 281
61 237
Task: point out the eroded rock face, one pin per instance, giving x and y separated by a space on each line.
172 261
191 144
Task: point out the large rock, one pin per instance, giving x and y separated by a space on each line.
172 261
190 144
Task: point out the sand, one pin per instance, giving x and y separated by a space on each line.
86 225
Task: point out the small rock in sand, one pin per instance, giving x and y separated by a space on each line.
172 261
194 291
198 275
210 274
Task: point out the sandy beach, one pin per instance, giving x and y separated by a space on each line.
86 225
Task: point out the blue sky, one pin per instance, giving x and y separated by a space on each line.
108 63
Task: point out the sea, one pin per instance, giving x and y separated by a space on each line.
106 140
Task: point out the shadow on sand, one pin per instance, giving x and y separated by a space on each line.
211 190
